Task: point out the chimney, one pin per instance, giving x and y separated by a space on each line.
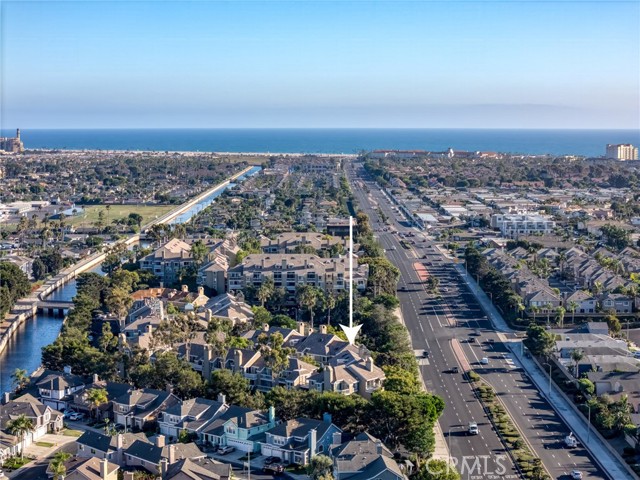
104 469
265 327
302 328
222 398
148 328
323 329
329 377
160 440
284 264
67 369
172 454
326 417
96 379
168 388
336 439
200 290
379 447
272 414
120 441
6 396
164 466
313 435
185 288
370 364
237 359
129 476
208 314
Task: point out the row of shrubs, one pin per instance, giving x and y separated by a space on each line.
530 465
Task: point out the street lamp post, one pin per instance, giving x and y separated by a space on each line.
589 424
549 365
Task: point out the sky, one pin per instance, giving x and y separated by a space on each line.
418 64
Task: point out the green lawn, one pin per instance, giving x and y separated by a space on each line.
45 444
90 215
72 433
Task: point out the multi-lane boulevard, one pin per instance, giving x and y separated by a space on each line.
455 332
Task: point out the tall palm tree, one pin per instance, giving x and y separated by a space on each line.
20 378
576 356
96 397
561 311
307 297
573 306
20 427
329 302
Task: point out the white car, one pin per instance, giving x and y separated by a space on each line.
484 361
473 428
576 474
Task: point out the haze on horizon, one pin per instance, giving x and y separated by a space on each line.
429 64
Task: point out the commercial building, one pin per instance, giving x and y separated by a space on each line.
12 145
623 151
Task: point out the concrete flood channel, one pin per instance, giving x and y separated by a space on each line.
23 349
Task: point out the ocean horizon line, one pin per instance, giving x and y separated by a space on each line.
325 128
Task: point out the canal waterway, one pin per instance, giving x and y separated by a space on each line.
24 348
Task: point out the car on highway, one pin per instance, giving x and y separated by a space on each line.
425 353
455 370
473 428
226 449
576 474
484 361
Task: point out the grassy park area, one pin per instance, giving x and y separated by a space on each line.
116 212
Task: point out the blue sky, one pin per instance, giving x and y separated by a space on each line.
516 64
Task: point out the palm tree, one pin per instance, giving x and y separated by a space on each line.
573 306
534 309
561 311
547 307
57 469
20 378
576 356
96 397
56 466
266 290
20 427
329 303
307 297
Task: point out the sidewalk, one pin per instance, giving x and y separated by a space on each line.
574 420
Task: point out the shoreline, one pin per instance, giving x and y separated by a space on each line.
190 153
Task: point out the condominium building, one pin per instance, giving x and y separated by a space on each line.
167 261
512 226
289 271
624 151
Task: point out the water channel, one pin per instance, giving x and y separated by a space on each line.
24 348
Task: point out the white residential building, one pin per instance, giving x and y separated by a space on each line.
512 226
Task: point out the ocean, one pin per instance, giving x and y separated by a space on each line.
555 142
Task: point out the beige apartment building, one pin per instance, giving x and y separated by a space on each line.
289 271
